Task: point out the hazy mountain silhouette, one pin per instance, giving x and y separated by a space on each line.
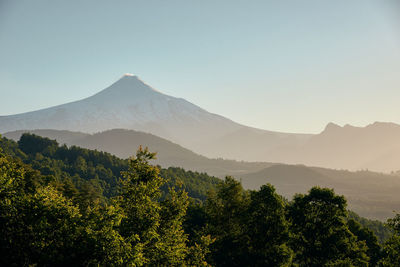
129 103
373 195
374 147
124 143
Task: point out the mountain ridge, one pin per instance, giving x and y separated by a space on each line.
130 103
370 194
124 143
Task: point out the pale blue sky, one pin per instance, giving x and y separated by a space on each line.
279 65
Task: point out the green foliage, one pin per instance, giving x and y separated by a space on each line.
30 144
173 248
11 178
382 231
150 224
70 206
225 211
267 229
94 171
391 252
53 224
196 184
391 248
52 227
11 148
394 224
371 241
138 199
249 227
45 228
320 233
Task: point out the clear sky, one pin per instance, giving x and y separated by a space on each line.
278 65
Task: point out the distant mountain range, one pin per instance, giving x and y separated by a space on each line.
375 147
131 104
124 143
373 195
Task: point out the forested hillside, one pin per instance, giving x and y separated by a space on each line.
122 143
78 207
97 172
370 194
359 187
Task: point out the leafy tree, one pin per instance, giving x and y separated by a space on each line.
138 198
195 220
366 235
65 206
11 180
152 226
394 224
173 240
30 144
100 243
39 226
382 231
267 229
249 227
391 248
391 252
197 254
225 211
196 184
51 224
60 163
320 233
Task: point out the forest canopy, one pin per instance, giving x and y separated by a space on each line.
64 205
